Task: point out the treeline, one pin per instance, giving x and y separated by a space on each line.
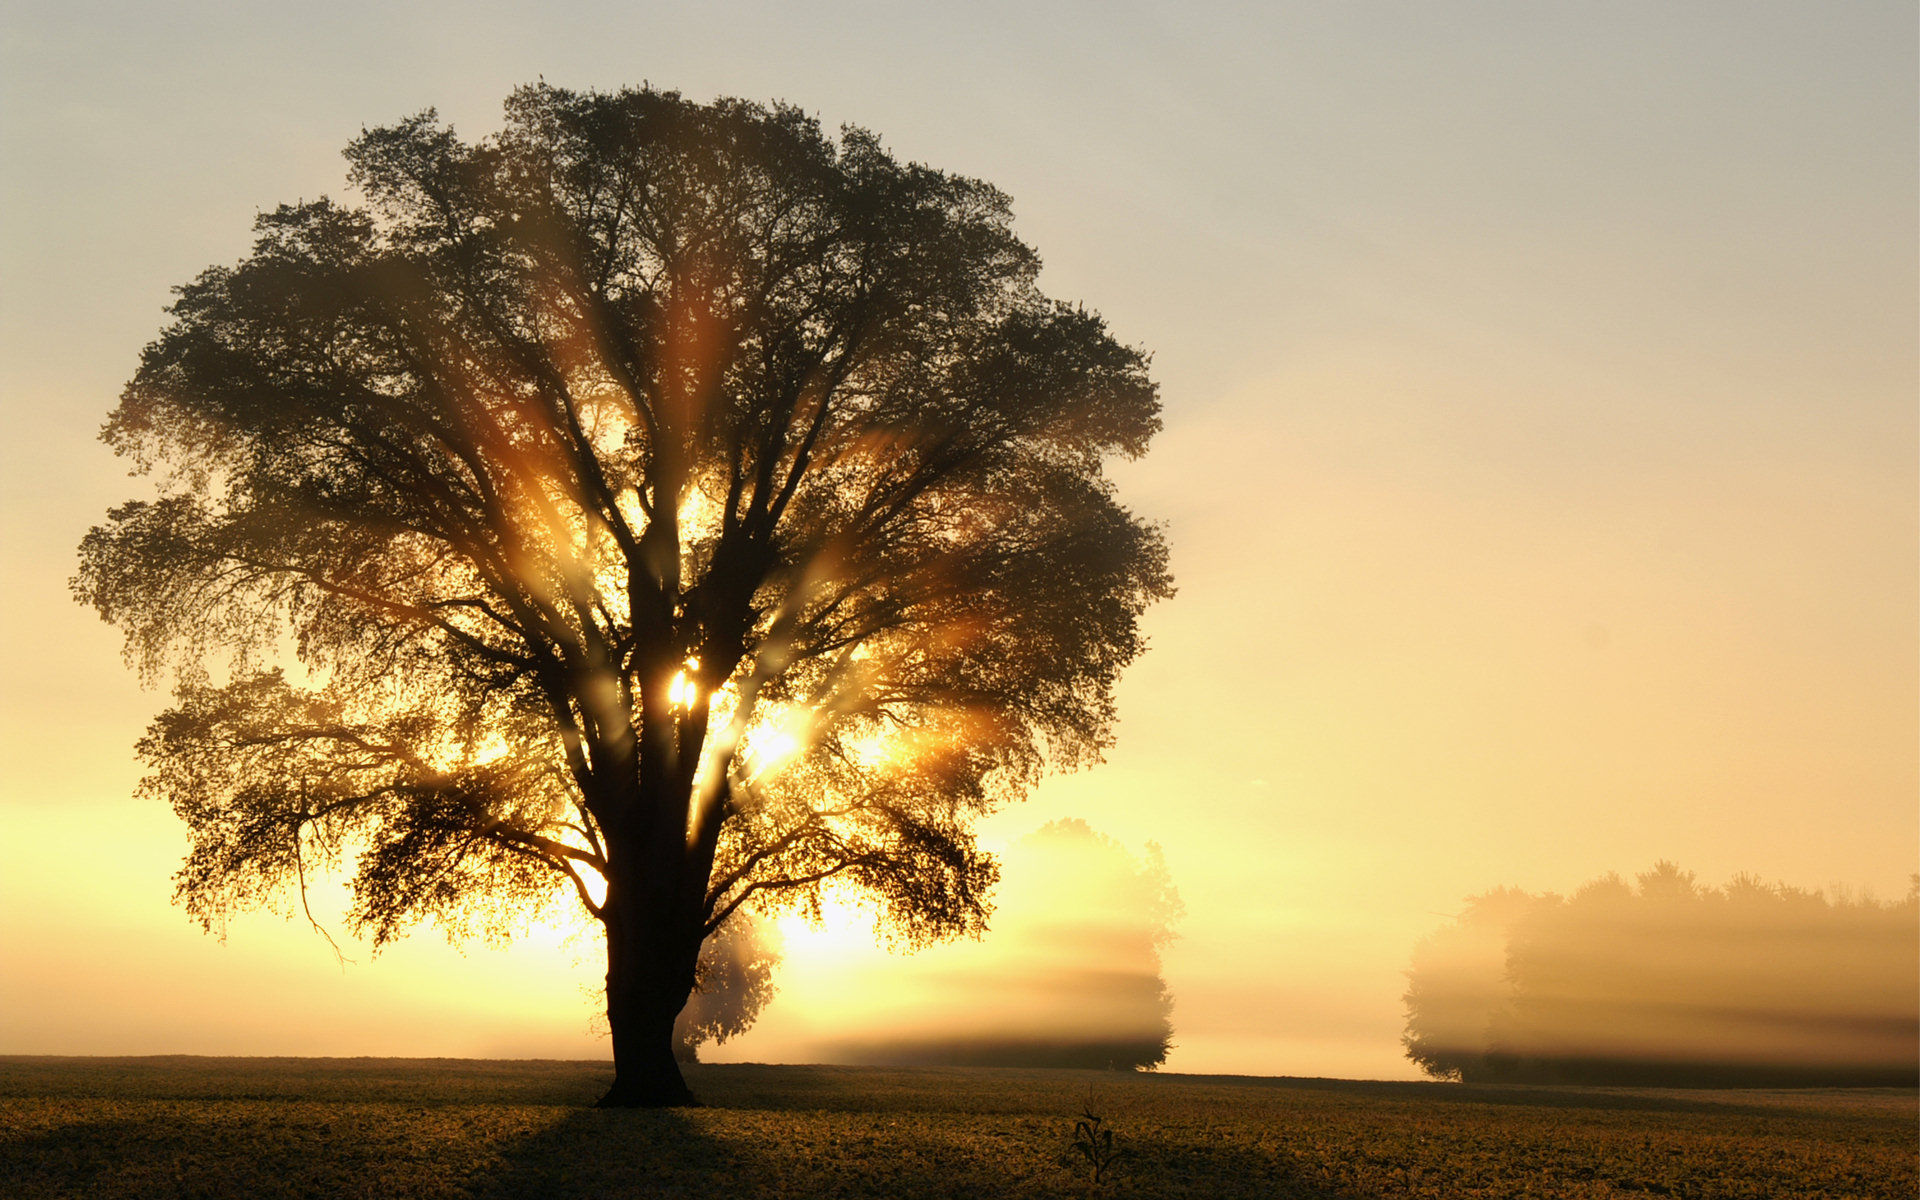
1669 982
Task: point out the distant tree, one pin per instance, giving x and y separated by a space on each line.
664 504
1101 918
1667 981
1458 984
732 983
1070 976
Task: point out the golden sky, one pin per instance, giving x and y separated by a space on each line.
1540 463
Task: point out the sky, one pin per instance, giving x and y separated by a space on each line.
1540 464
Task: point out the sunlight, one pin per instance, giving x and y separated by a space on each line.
873 749
699 517
774 748
595 882
775 739
843 935
490 748
683 692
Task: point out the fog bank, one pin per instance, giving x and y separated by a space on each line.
1068 973
1671 982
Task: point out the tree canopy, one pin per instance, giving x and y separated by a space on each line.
659 503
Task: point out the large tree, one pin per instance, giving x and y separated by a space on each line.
660 504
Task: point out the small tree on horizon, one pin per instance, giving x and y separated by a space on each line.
732 984
665 505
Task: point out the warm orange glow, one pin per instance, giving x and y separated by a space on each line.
683 692
595 882
1071 908
1541 505
489 748
772 744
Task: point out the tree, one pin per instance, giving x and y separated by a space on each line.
659 503
1670 983
1457 986
733 982
1070 978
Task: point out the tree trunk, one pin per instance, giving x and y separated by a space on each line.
648 983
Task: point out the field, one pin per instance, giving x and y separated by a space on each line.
391 1128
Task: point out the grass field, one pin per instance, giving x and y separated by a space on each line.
205 1127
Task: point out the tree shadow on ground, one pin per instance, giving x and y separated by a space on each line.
612 1154
770 1152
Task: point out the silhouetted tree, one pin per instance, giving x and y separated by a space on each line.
656 497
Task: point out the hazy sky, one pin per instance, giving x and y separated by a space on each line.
1539 464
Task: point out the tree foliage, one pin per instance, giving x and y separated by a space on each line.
654 495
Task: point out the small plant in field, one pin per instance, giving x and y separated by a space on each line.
1093 1141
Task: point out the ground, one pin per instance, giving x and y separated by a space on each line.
396 1128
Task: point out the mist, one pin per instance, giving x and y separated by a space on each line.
1666 981
1068 973
732 983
